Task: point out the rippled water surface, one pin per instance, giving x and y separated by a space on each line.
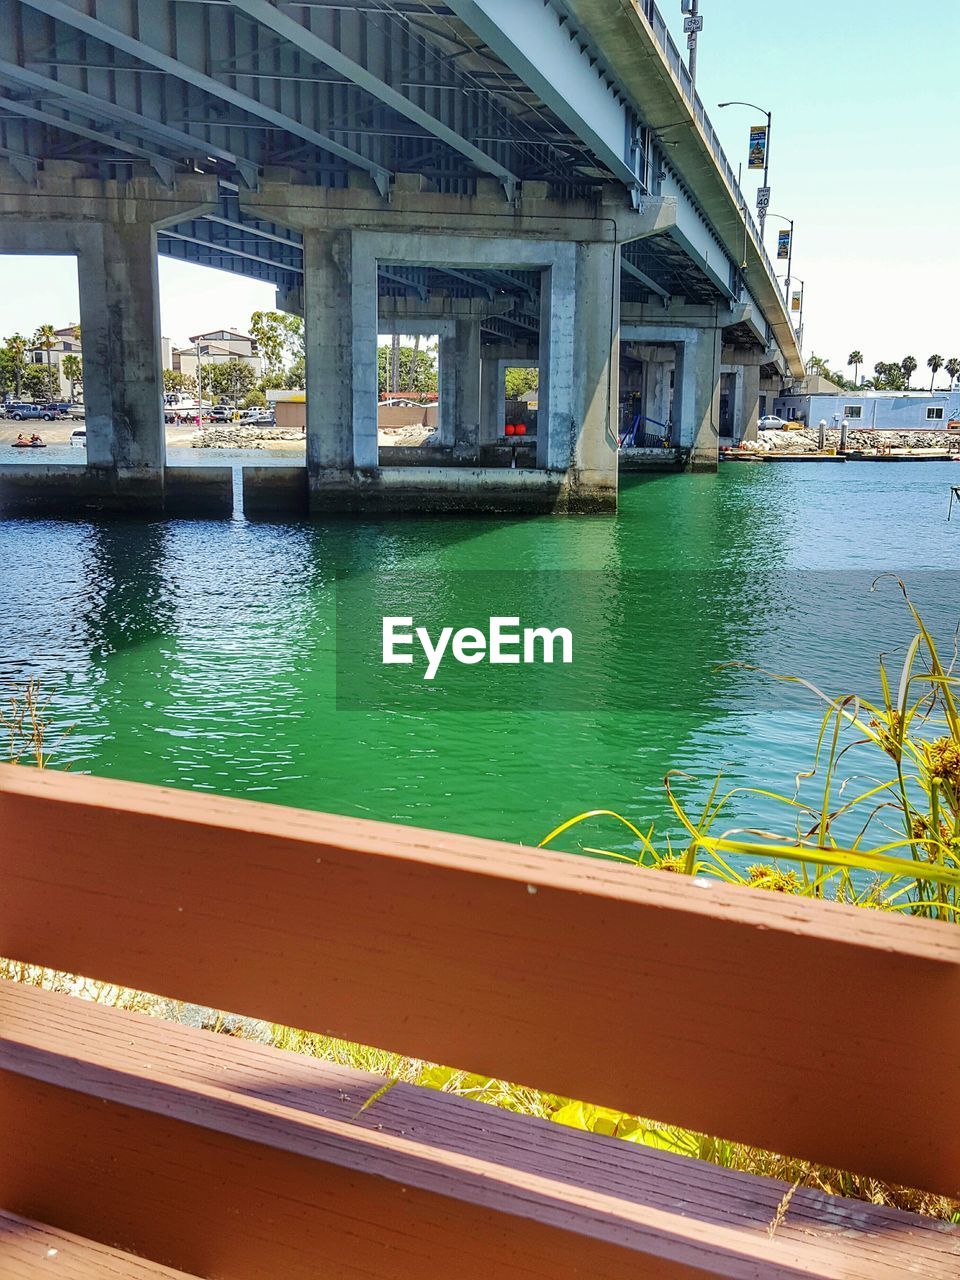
202 654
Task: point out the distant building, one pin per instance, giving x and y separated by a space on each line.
218 347
67 344
875 410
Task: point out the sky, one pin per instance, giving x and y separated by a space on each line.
863 157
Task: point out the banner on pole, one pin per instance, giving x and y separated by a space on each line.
795 302
783 244
758 147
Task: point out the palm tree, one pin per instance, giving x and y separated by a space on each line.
909 366
73 370
46 339
17 348
856 359
952 368
934 364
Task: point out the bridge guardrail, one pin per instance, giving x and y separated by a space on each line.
681 71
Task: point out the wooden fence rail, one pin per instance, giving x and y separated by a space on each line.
779 1022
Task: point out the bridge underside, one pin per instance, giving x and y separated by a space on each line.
472 169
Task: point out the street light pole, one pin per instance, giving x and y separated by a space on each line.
781 218
694 12
692 25
803 289
761 211
199 387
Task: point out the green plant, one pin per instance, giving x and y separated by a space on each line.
905 854
26 728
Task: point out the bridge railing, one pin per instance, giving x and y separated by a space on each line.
682 72
762 1018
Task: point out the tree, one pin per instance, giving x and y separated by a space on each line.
296 378
46 339
36 385
518 381
952 368
909 366
16 348
934 364
279 338
416 376
818 365
254 400
890 377
72 367
856 359
231 380
176 382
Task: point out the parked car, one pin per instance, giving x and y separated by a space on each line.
771 423
19 410
221 413
79 437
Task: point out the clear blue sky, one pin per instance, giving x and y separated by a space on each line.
865 95
864 156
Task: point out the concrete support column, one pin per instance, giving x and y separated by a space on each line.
597 373
750 402
460 388
122 367
491 399
657 395
337 330
697 397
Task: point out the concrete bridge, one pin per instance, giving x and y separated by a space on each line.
535 181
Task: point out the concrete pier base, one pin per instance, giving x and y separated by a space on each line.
200 492
275 491
464 489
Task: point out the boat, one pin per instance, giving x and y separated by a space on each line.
28 444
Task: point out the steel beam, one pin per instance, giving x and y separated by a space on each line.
162 165
174 234
308 42
25 166
420 289
217 259
645 280
249 229
533 41
102 31
98 109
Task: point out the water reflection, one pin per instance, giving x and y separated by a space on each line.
204 654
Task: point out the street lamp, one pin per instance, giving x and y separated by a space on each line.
761 209
789 221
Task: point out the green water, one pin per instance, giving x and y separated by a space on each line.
202 654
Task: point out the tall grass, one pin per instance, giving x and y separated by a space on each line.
904 817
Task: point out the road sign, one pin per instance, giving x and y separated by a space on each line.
763 198
693 23
692 40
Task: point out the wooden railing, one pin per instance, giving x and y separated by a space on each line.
819 1031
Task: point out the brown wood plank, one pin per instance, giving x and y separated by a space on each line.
31 1249
230 1159
780 1022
